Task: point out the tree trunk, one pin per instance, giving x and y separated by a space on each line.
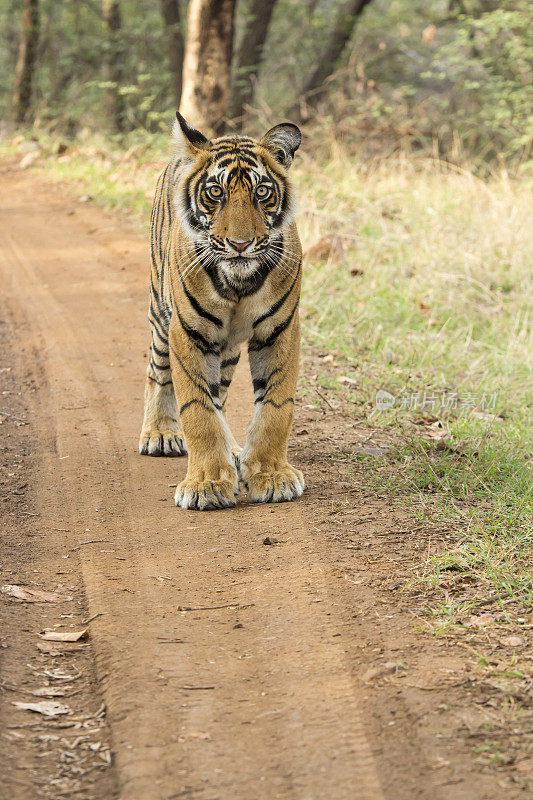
29 38
114 66
170 10
207 63
249 56
313 88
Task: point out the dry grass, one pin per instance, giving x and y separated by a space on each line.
435 278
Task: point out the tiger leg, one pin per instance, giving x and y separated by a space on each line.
229 360
211 480
264 468
160 433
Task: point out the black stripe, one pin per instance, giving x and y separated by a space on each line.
266 383
228 157
159 352
202 388
273 402
230 362
156 322
198 308
192 219
195 402
155 333
166 383
169 205
257 344
158 366
239 156
200 341
220 288
276 307
160 200
152 287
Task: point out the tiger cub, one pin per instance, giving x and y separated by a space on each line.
226 269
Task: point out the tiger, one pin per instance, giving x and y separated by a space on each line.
226 270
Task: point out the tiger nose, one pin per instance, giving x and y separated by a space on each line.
239 245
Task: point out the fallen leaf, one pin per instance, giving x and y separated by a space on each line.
24 593
482 621
49 708
28 159
423 307
49 649
355 271
428 33
513 641
64 636
346 379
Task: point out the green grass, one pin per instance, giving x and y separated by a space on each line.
433 294
427 288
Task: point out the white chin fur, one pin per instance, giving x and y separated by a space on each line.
239 269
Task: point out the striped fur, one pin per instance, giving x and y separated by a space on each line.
226 269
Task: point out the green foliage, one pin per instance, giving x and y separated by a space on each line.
70 81
417 76
452 78
489 68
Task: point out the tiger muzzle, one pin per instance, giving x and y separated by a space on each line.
240 245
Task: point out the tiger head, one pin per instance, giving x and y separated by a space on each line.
234 197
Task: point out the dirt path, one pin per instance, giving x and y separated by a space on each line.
229 669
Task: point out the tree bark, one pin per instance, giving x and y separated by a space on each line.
313 88
24 72
207 64
249 56
170 10
114 66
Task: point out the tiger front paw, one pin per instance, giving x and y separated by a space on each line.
202 495
167 442
278 486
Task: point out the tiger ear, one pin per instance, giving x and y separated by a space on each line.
282 141
189 141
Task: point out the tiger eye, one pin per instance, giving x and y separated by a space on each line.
214 192
263 191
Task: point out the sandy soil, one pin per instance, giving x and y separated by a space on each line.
217 667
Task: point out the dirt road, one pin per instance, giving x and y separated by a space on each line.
229 669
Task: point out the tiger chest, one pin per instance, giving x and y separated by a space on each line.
241 322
